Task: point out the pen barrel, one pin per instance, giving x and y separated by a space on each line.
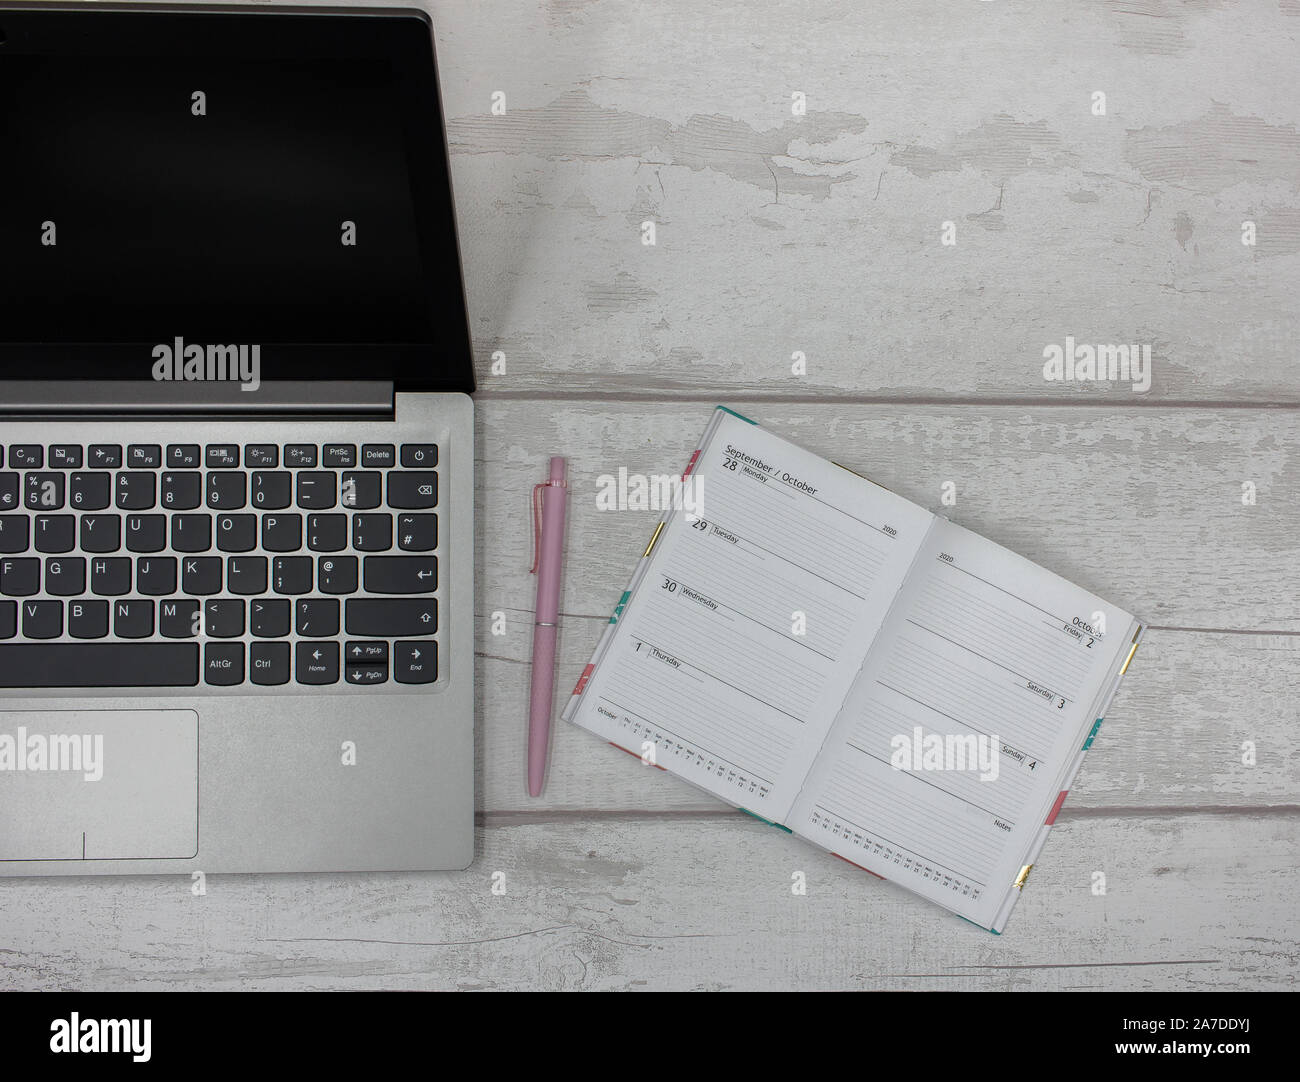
549 560
539 706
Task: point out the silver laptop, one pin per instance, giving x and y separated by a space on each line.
236 446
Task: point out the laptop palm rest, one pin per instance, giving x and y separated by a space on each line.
98 784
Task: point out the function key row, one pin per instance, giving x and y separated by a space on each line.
220 456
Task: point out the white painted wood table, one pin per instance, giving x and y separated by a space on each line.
822 234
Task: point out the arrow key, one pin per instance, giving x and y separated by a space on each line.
364 653
415 662
367 674
317 662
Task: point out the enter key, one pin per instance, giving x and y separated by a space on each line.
401 574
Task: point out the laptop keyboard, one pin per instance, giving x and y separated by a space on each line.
219 565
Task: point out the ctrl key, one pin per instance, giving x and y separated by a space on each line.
317 662
268 663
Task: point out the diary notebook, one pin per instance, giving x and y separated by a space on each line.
843 663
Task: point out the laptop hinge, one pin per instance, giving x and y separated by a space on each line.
145 397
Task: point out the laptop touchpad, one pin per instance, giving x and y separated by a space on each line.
98 784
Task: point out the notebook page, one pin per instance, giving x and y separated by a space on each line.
1007 658
747 626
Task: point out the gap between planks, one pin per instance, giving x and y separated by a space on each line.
504 819
831 397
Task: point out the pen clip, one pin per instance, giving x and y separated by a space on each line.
537 524
537 518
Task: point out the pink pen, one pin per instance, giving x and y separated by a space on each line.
550 501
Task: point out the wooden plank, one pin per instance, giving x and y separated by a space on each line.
1173 737
1143 507
1192 902
821 233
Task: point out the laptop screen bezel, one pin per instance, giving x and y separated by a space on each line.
402 36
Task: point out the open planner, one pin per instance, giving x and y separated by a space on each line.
843 663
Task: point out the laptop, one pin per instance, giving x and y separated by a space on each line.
236 446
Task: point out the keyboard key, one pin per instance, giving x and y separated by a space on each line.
317 491
99 665
13 534
201 575
143 456
224 618
146 533
88 619
327 533
191 533
246 575
236 533
362 652
155 575
65 576
223 663
415 662
101 533
26 456
317 617
269 619
401 574
183 456
316 662
282 533
227 491
419 456
42 619
362 491
414 489
21 577
54 533
65 456
391 617
272 491
300 456
105 456
90 491
8 619
182 491
223 456
44 491
378 456
266 455
136 491
366 674
179 619
337 574
372 533
111 577
268 663
338 455
8 491
417 533
133 619
291 575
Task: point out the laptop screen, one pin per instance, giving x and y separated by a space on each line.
231 179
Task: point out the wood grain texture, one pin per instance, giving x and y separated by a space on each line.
1142 507
820 233
688 902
